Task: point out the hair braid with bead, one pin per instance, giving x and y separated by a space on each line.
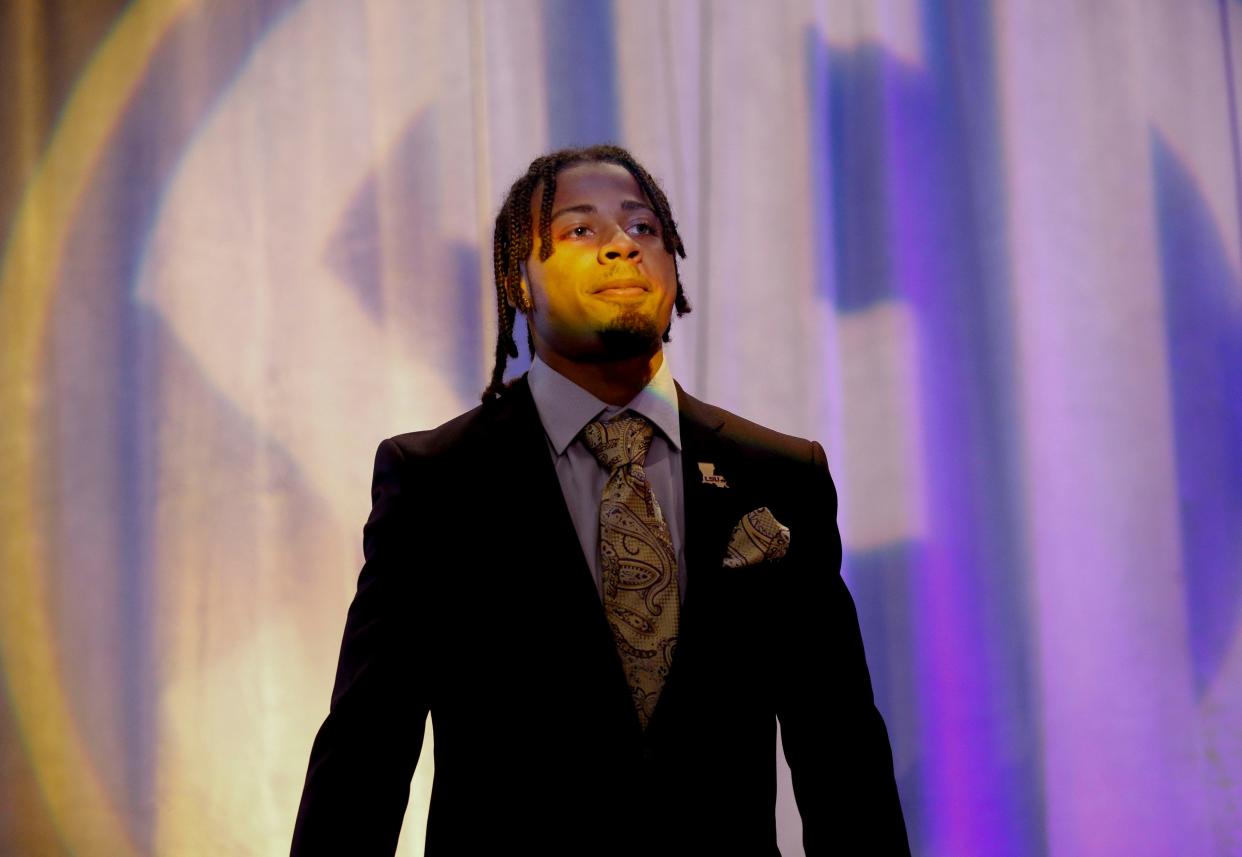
513 240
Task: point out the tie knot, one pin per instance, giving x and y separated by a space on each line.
621 441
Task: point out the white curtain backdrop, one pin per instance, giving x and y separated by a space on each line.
986 252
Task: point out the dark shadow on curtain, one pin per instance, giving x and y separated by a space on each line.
1203 327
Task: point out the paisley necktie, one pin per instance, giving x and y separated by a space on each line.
639 566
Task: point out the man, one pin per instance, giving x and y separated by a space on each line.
604 590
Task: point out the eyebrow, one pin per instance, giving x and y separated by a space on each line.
587 208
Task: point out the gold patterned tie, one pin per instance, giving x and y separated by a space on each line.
637 559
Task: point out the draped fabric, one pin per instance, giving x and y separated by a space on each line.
988 253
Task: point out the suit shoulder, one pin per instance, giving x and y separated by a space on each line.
460 440
758 442
440 441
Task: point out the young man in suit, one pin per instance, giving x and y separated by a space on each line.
605 591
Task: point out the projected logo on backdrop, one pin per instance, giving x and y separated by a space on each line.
312 258
314 254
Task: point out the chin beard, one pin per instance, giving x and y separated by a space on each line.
630 334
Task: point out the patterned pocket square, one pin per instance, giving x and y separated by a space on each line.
757 537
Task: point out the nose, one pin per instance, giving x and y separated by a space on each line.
620 246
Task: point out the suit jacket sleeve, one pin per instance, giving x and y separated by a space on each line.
834 738
364 755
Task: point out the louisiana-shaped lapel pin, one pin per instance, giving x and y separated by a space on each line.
710 476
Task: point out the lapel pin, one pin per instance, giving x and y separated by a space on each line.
710 476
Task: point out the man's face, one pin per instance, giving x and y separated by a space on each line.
607 290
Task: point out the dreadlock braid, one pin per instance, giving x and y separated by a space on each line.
513 240
545 211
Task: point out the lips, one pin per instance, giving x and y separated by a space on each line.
622 286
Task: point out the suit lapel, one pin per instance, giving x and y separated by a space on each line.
711 511
712 507
542 518
537 520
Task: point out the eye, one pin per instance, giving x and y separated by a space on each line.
642 227
579 231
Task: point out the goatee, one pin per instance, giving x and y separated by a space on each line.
629 334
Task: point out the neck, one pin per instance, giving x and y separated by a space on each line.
613 381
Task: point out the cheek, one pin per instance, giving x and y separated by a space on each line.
669 276
665 268
555 295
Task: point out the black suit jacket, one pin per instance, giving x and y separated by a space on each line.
476 603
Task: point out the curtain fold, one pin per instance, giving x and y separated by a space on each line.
990 254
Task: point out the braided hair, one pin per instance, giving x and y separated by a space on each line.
514 240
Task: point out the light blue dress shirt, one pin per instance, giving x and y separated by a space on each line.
565 409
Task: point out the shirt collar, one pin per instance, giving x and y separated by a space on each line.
565 408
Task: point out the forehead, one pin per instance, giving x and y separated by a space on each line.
603 185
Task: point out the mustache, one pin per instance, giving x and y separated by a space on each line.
623 274
627 278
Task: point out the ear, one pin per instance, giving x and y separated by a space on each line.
525 304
